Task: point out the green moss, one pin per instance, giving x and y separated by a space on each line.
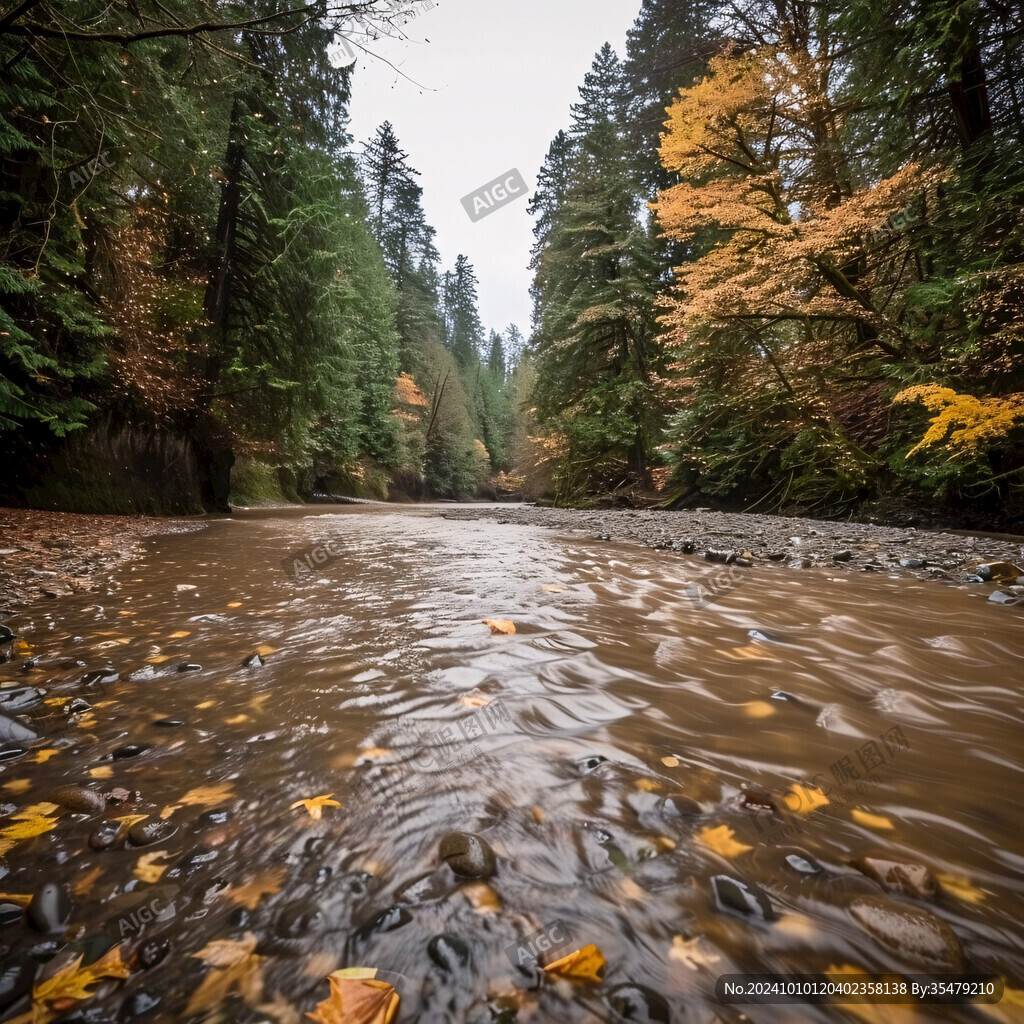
256 483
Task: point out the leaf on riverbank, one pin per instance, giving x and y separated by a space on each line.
500 626
235 969
356 999
315 805
722 840
251 894
586 964
875 821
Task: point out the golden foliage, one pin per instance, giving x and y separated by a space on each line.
407 392
357 997
962 422
586 964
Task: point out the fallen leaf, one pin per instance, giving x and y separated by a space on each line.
237 720
960 887
103 772
82 886
722 840
73 984
664 844
749 653
647 785
17 785
472 700
44 809
158 659
315 805
631 891
481 897
357 1000
758 709
128 820
25 828
251 894
538 814
498 626
670 762
206 796
691 952
263 650
21 899
809 798
375 753
148 870
235 969
234 604
180 634
586 964
876 821
206 704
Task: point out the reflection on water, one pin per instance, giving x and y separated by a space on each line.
800 773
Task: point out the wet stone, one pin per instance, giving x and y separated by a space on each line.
153 952
16 976
107 836
253 661
139 1004
188 666
79 799
448 951
19 698
130 750
916 935
423 889
169 723
913 563
899 876
744 898
588 764
103 675
10 913
13 731
49 909
678 805
468 855
192 862
77 706
638 1003
209 819
357 883
758 800
12 753
842 556
145 833
390 920
802 863
297 920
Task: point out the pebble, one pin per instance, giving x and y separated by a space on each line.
145 833
389 921
13 731
802 863
17 974
17 698
913 563
107 836
678 805
210 818
468 855
899 876
448 951
49 908
170 723
588 764
423 889
842 556
913 934
103 675
10 913
1000 597
253 661
11 753
188 666
130 750
745 898
638 1003
79 799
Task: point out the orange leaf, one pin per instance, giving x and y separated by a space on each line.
586 964
357 1000
499 626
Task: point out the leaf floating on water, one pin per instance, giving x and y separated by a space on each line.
500 626
960 887
206 704
234 604
749 653
25 828
691 952
21 899
158 659
875 821
83 884
722 840
315 805
357 999
148 870
670 762
647 785
482 897
17 785
72 984
207 796
809 798
375 753
472 700
263 650
180 634
758 709
251 894
235 969
237 720
586 964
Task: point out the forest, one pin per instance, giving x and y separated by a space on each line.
777 267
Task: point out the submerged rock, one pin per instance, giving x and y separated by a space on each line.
18 698
448 951
49 908
13 731
639 1003
916 935
188 666
145 833
79 799
130 750
107 836
102 675
744 898
899 876
17 974
254 661
468 855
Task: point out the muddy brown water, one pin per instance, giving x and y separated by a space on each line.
604 752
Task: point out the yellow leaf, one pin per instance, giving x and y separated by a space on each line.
237 720
960 887
206 704
147 869
42 756
586 964
749 653
876 821
362 1000
647 785
251 894
234 604
83 884
103 772
263 650
481 897
28 828
22 899
498 626
180 634
758 709
722 840
538 814
17 785
206 796
315 805
670 762
235 969
127 820
158 659
74 981
809 798
45 809
472 700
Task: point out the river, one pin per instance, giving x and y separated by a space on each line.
776 772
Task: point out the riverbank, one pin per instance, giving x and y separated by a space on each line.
747 539
45 555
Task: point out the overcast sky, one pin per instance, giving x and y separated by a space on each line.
491 84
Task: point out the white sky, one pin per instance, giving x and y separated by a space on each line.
491 85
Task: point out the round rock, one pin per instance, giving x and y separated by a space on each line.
468 855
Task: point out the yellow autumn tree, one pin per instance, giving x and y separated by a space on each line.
963 424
